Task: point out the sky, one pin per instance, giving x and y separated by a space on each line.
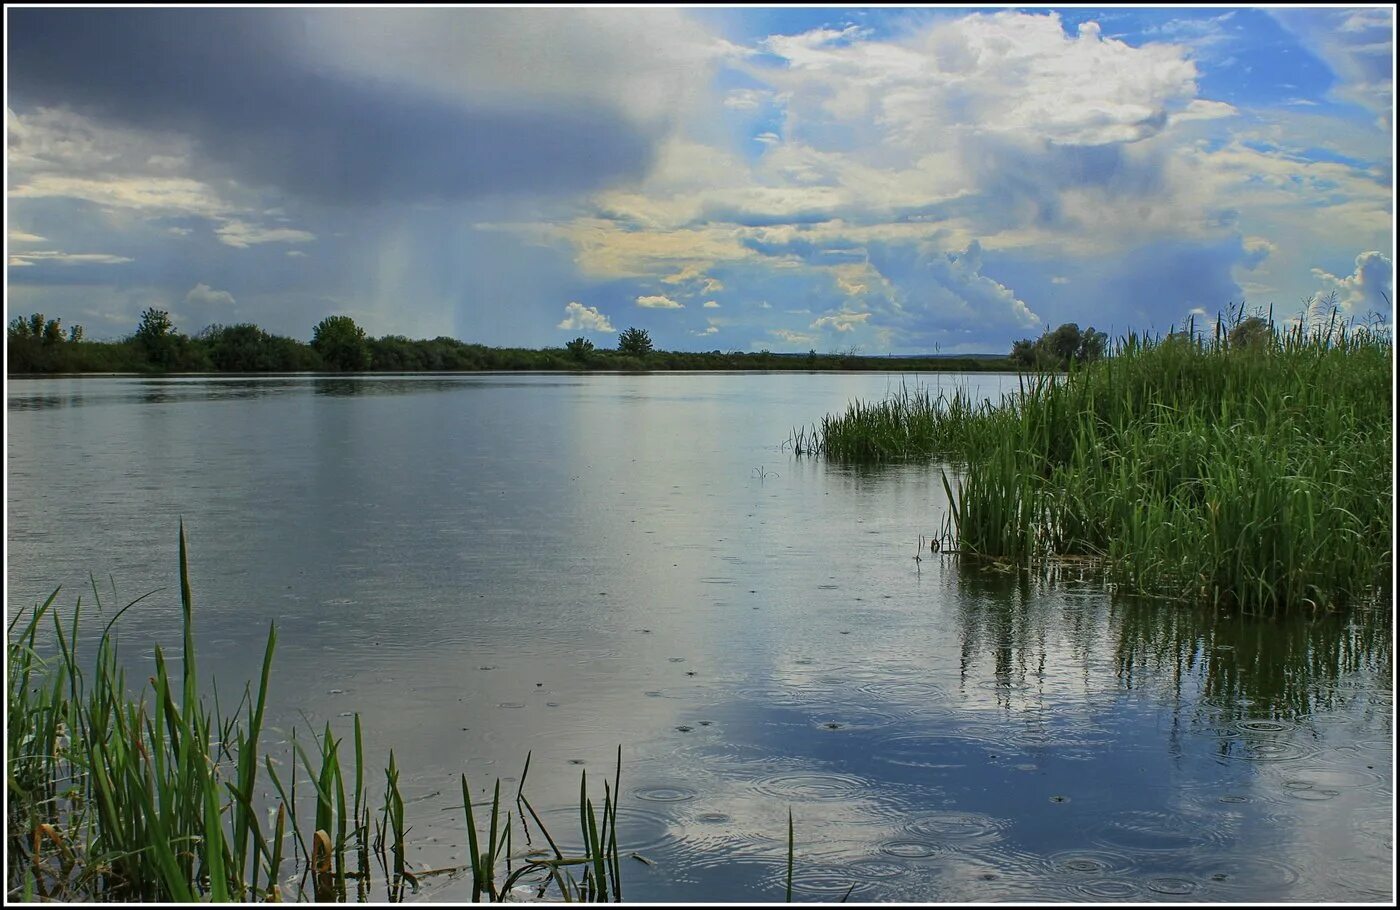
889 180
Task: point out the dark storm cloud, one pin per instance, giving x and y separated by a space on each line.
245 85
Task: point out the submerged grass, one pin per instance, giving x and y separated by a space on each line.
1254 472
155 797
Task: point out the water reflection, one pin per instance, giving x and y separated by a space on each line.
65 392
1238 668
556 565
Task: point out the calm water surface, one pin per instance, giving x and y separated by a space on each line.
486 565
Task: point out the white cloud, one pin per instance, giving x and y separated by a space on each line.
1367 288
659 302
1358 45
296 254
54 139
150 195
841 322
746 99
792 337
711 305
580 318
203 295
242 234
58 154
25 237
1007 72
60 258
1059 279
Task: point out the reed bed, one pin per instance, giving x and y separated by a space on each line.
156 796
1253 474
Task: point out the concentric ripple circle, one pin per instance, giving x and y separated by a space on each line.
812 785
954 826
664 794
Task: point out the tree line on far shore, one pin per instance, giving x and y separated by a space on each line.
36 344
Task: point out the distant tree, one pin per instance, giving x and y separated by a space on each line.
1254 332
1023 353
579 348
243 348
635 342
1057 348
341 344
1092 346
155 337
75 334
812 357
1064 342
53 332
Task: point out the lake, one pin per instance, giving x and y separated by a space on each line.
489 565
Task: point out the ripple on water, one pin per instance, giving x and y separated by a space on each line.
851 717
1091 862
913 849
955 826
1264 726
784 696
1108 889
923 702
936 750
1247 877
828 880
813 785
640 829
1159 832
876 868
1176 887
1302 779
664 794
1268 750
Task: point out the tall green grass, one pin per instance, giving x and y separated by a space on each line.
1256 475
154 796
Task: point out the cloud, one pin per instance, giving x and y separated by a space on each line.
940 176
1007 72
792 337
24 237
1358 45
659 302
841 322
58 258
1367 288
149 195
746 99
241 234
407 104
203 295
578 317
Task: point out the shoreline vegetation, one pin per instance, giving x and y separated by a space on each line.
37 346
1249 468
154 797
